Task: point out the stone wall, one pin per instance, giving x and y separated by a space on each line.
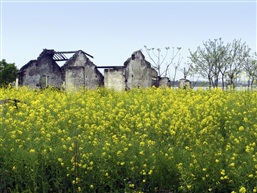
184 83
93 78
79 62
135 73
74 77
78 59
115 79
34 72
30 76
164 82
139 73
78 71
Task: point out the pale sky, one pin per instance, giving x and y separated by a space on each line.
112 30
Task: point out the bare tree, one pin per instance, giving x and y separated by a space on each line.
187 70
161 62
176 66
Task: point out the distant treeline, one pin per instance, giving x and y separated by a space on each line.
202 83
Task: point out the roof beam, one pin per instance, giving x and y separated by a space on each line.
110 66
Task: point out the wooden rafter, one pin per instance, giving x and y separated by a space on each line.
60 55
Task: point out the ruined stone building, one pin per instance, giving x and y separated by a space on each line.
135 73
184 83
36 72
79 71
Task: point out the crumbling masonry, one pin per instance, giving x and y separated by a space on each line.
79 71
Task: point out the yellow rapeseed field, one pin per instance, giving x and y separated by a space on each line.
142 140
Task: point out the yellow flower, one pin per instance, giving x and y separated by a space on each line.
32 151
131 185
241 128
248 149
242 190
122 163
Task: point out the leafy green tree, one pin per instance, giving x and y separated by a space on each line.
217 60
236 59
250 69
208 60
8 72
